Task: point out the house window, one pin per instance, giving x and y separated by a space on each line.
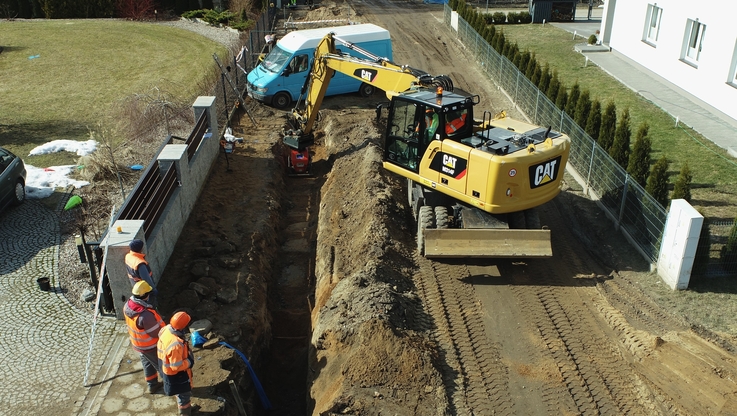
652 24
692 41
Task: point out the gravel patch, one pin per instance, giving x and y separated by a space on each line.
226 36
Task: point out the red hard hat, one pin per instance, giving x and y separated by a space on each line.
180 320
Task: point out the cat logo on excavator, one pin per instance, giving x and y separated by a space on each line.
544 173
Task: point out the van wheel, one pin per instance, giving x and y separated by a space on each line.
366 90
281 100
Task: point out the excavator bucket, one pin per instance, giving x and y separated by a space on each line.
479 243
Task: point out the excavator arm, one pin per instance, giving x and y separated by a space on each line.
375 70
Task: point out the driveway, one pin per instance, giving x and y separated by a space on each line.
44 339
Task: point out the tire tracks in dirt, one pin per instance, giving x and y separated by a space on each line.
597 376
475 379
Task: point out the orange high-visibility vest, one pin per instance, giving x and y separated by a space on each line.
142 339
132 261
456 124
173 353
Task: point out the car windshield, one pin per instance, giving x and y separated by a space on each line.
276 59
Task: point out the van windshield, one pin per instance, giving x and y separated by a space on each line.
276 59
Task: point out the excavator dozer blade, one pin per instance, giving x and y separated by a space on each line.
487 242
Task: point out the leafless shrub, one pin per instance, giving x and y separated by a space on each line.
98 168
7 13
92 217
135 9
145 113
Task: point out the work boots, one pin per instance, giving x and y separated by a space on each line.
153 388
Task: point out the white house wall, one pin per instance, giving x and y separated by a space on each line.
709 80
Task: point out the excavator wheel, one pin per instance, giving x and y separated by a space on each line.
532 219
414 204
425 219
441 217
516 220
410 200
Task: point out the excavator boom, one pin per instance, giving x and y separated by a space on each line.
377 71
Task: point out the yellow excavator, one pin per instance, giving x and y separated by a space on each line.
473 183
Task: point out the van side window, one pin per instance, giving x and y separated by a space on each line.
299 63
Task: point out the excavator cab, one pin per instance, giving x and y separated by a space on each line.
419 117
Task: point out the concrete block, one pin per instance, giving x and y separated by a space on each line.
117 248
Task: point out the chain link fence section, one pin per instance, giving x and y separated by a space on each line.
632 209
257 37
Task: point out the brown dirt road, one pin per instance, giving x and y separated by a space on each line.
388 332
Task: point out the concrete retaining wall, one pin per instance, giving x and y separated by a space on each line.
192 175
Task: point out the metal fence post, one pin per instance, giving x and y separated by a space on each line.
235 68
591 165
476 45
225 95
516 89
537 102
624 198
501 64
250 57
561 120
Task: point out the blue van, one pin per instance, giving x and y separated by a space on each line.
279 78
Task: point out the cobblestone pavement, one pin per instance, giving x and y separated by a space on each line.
43 338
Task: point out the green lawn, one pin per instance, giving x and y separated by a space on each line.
714 172
83 70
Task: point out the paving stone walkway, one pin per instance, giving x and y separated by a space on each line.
43 338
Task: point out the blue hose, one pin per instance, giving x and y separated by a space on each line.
259 389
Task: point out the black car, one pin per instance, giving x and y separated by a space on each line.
12 179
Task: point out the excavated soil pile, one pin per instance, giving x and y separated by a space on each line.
368 356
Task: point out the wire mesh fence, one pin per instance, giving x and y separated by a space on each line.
716 255
230 87
626 202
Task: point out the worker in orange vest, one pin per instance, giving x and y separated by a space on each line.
455 121
176 361
138 269
144 324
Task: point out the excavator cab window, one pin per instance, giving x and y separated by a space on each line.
403 136
457 124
